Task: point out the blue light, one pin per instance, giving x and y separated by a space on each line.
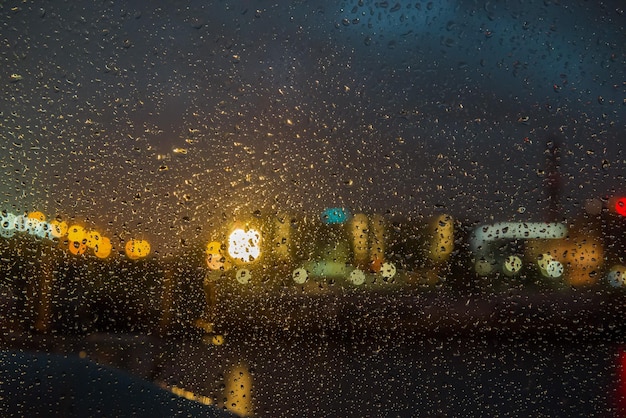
335 216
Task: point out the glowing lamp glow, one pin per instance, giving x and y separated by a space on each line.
7 221
388 271
137 248
549 267
377 243
244 246
58 228
33 226
442 238
357 277
300 275
37 215
360 238
238 391
42 230
484 235
243 276
93 239
214 258
103 248
512 265
77 233
77 248
554 269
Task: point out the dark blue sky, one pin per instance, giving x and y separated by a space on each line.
156 118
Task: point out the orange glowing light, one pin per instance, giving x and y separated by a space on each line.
103 248
37 215
137 248
584 256
77 248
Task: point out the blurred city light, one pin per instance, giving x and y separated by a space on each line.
244 245
137 248
332 216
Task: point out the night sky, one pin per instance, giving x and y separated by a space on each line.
161 119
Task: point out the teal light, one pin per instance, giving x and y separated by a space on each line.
335 216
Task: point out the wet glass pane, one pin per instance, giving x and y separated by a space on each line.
326 208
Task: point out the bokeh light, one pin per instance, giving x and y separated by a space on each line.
244 245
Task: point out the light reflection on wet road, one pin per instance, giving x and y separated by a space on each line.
437 378
386 376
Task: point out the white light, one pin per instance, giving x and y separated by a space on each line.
300 275
41 229
549 267
357 277
485 237
243 276
7 225
33 225
554 269
617 276
388 270
244 245
512 265
7 221
20 223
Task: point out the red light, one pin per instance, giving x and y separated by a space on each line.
620 206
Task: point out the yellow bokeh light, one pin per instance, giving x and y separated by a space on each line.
137 248
359 229
214 259
77 233
238 391
58 228
213 247
93 238
442 241
103 248
37 215
217 339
